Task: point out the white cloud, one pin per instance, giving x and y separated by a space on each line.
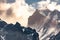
48 4
20 10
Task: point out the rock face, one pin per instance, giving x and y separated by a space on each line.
55 37
45 22
39 16
35 20
16 32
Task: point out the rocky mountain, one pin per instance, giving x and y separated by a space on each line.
36 19
45 22
16 32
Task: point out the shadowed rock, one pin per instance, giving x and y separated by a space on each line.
17 32
55 37
36 19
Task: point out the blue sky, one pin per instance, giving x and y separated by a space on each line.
27 1
31 1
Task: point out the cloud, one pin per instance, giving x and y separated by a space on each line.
18 11
48 4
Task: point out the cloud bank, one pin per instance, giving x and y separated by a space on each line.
47 4
19 11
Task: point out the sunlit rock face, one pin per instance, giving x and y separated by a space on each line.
16 32
45 22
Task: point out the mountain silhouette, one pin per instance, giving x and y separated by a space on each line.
17 32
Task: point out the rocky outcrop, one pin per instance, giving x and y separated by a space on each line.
16 32
36 19
55 37
45 22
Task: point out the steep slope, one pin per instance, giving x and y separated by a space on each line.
36 19
45 22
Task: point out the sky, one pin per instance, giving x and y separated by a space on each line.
32 1
27 1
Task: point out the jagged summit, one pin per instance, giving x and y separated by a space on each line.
47 24
40 15
35 17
